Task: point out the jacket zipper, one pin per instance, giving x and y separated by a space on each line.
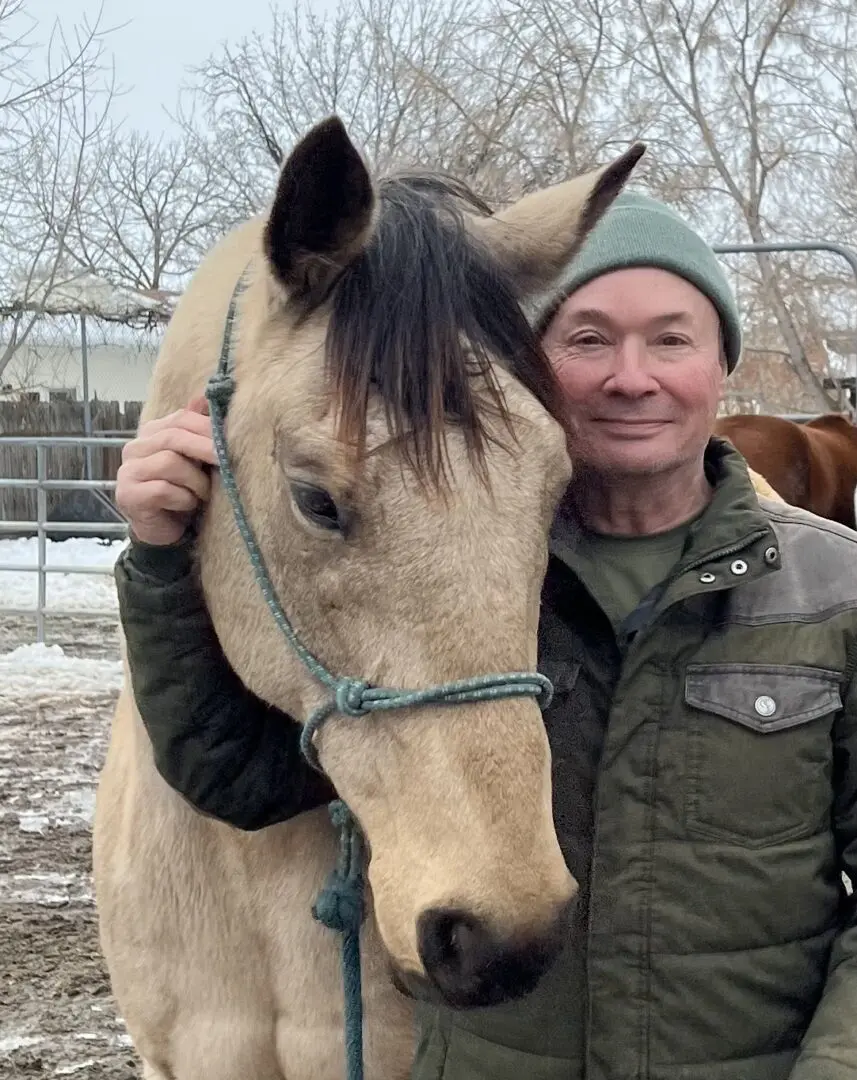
722 553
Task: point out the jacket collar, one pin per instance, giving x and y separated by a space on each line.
733 523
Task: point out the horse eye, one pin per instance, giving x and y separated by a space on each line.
316 506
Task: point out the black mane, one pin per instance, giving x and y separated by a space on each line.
418 314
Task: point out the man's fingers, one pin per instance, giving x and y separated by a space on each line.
187 419
169 466
148 487
153 497
193 440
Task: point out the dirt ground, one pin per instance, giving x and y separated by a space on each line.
57 1017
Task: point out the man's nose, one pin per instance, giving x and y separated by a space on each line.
631 376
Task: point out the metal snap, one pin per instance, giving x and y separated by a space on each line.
771 555
707 578
765 705
738 567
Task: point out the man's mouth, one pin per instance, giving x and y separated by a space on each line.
628 422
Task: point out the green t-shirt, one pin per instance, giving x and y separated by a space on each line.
623 570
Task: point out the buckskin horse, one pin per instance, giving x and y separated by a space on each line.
811 465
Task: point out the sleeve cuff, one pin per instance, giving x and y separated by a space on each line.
158 564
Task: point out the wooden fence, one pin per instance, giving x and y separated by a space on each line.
33 418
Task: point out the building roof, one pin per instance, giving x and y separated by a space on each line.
87 293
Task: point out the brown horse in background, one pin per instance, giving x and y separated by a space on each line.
812 465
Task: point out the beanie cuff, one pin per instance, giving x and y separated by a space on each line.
639 232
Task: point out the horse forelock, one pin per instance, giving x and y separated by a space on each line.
419 318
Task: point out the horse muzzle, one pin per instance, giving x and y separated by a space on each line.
467 966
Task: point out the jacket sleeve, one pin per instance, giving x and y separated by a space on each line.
227 752
829 1048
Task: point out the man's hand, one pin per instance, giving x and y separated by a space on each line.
163 478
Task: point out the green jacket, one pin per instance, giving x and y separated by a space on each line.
705 795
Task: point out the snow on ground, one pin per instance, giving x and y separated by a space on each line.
68 592
45 670
57 1016
37 681
37 672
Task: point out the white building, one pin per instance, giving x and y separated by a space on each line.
115 372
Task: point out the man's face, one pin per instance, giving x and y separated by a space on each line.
638 355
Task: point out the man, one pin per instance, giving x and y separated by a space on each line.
703 650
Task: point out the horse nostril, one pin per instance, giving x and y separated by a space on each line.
471 967
450 942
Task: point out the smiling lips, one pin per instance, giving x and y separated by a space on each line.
630 424
629 430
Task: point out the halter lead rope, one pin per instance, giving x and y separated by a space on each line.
340 904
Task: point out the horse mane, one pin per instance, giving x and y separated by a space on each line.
418 318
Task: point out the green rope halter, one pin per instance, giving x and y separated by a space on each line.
340 904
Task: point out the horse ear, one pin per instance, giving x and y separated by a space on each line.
322 214
537 236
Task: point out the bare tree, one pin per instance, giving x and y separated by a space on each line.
734 129
376 63
549 76
64 56
507 96
49 125
828 44
511 94
829 207
150 212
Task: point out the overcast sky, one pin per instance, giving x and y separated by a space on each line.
158 40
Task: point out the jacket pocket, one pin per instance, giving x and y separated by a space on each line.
759 751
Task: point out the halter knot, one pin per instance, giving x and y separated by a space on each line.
220 389
340 815
340 903
350 695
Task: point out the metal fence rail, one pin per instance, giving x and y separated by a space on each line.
41 525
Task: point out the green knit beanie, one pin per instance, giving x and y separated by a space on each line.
639 231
